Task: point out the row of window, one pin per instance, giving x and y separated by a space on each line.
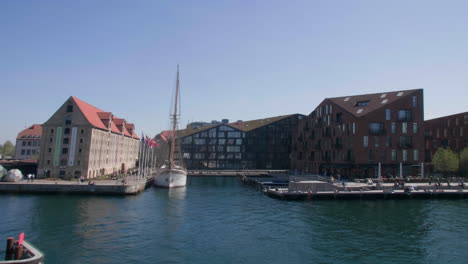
29 152
446 132
349 155
31 143
403 141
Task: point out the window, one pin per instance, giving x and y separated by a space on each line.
361 103
415 101
66 141
68 120
29 143
383 155
415 155
48 162
405 115
234 135
24 143
70 108
365 141
388 114
233 149
212 133
415 128
23 152
50 150
187 140
82 131
51 130
225 128
404 127
371 155
34 143
376 142
388 143
376 128
199 141
405 155
28 152
66 131
64 150
406 142
394 155
354 128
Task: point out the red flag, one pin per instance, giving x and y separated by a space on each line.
21 238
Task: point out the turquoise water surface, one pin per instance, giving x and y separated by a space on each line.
219 220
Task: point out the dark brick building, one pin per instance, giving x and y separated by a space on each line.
448 132
257 144
351 135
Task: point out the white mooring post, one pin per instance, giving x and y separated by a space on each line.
422 169
401 170
380 172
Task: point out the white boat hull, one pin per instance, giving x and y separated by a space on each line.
170 178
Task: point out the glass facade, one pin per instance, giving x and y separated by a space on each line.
252 146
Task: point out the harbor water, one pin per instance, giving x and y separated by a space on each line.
219 220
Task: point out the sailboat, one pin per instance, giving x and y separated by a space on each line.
173 174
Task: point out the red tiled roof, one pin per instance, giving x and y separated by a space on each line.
166 135
95 116
34 131
373 101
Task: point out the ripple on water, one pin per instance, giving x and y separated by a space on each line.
217 220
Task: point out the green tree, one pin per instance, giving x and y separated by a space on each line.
464 162
8 148
445 161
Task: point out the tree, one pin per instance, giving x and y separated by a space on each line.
464 162
445 161
8 148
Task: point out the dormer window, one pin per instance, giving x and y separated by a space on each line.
68 120
361 103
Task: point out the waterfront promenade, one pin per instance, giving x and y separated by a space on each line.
126 186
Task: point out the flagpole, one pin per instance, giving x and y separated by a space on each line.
139 158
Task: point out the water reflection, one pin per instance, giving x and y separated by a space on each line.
177 193
218 220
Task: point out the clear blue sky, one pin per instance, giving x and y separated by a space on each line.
240 59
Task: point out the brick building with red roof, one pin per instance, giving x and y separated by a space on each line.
28 143
82 140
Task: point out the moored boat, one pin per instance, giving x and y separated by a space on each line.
174 173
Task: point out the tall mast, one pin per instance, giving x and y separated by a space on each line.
174 122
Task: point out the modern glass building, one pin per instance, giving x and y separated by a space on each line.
257 144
